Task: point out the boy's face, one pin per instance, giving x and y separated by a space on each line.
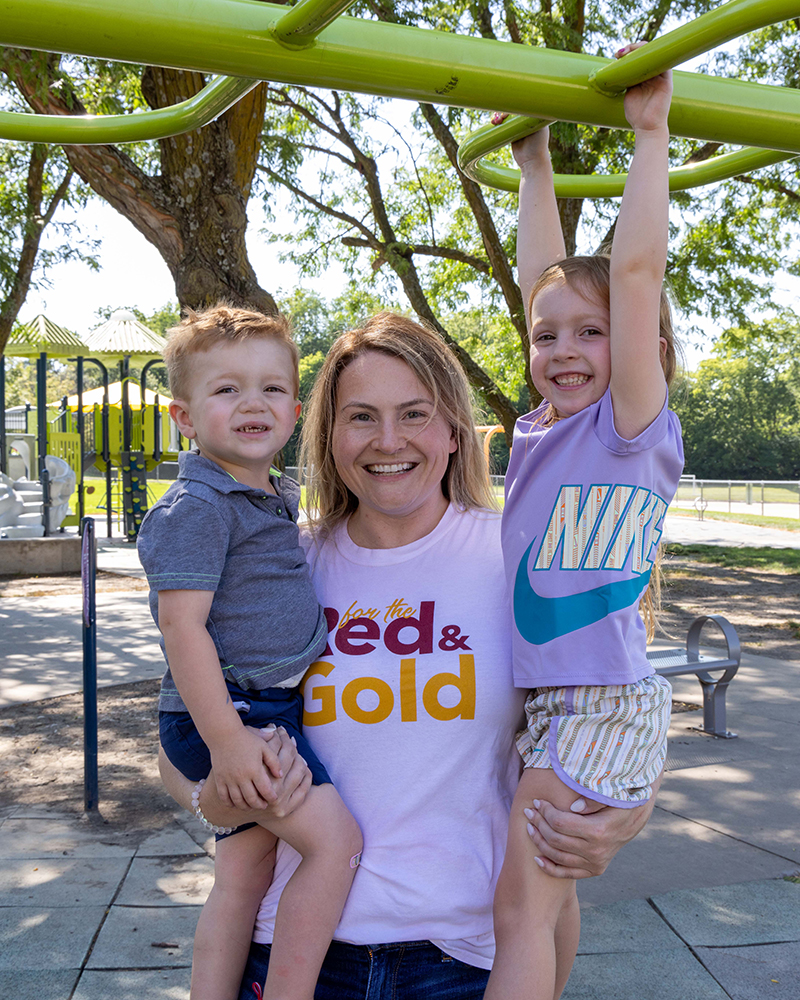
241 408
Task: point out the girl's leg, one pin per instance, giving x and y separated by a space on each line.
242 873
536 917
328 838
567 936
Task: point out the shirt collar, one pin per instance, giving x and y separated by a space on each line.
194 466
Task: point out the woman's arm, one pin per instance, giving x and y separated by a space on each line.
574 846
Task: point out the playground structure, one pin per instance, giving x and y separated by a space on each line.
313 43
121 426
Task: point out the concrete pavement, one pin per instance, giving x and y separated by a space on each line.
692 531
696 908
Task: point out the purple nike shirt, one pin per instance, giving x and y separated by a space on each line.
583 516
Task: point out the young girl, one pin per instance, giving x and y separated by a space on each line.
591 475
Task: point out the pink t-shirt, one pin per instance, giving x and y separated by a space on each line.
412 710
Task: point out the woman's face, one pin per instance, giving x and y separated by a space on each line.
391 449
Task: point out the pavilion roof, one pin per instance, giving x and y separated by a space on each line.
122 335
29 340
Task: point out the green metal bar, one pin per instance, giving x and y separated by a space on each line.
301 25
692 39
493 137
215 98
234 38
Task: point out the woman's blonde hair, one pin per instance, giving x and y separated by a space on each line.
592 275
466 482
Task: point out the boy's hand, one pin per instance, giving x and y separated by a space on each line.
242 765
532 149
647 104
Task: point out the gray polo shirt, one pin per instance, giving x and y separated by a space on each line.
209 532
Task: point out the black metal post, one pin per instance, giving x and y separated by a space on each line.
88 582
106 452
41 437
3 457
81 428
124 375
157 449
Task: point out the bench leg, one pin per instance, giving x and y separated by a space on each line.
714 719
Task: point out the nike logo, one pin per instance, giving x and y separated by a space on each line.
542 619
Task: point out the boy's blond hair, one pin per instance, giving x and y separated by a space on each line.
201 330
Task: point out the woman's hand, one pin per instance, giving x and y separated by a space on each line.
572 845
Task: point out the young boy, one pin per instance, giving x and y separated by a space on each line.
240 624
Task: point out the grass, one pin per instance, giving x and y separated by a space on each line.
95 502
768 559
762 521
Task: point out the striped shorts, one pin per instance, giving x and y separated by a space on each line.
608 743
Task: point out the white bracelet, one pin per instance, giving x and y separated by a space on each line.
199 812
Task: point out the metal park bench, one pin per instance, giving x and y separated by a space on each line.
673 662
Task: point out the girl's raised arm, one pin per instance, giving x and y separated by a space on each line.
638 262
540 240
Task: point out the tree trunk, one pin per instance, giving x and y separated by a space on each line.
194 212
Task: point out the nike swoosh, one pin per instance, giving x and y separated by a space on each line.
542 619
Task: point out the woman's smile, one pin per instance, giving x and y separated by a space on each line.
390 445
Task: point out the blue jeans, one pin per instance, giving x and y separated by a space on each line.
410 970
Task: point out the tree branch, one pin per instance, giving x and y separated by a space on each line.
106 169
705 152
57 198
350 220
769 185
447 253
33 226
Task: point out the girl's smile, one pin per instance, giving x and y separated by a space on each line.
570 348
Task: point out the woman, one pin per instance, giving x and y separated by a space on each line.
411 706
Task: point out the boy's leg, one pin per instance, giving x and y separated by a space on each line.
329 840
536 917
242 874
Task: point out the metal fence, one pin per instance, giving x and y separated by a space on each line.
779 497
776 497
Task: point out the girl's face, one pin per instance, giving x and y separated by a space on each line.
391 449
570 348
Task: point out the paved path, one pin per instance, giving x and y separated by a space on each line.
696 908
693 531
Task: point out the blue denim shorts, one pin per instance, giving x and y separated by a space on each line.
409 970
280 706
